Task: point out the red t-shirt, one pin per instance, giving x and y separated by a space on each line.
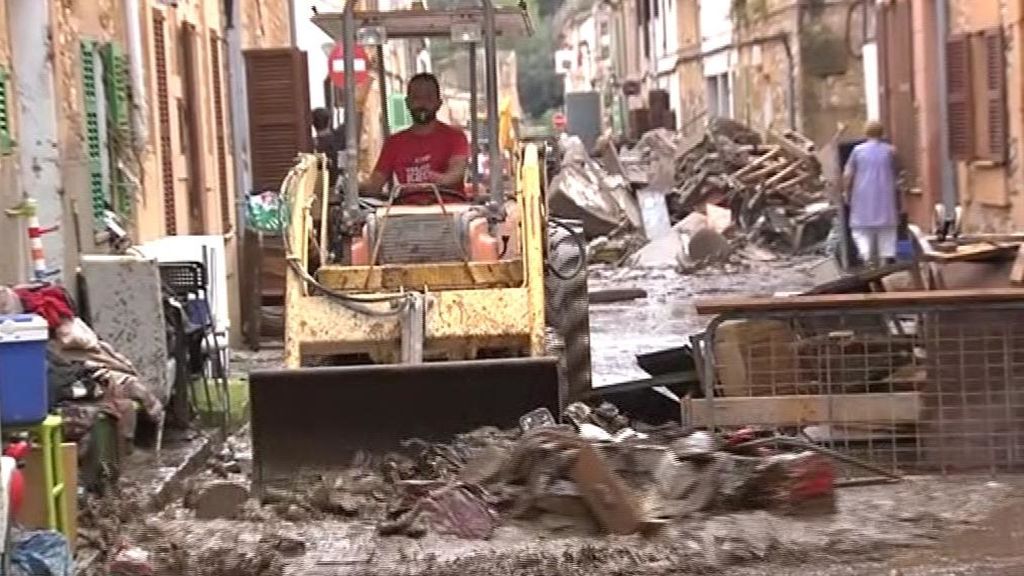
411 156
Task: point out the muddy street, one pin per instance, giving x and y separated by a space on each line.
877 530
922 526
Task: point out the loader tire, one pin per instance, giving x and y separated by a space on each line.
567 311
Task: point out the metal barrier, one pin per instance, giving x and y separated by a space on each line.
913 382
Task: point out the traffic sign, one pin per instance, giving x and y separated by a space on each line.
558 119
337 63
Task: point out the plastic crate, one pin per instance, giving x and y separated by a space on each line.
23 385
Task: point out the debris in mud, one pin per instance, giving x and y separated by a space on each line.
131 562
597 473
220 500
459 510
170 552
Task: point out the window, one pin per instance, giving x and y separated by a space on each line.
976 83
719 96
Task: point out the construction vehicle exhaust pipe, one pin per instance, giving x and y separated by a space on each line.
314 420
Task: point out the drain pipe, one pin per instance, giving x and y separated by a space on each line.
948 182
137 65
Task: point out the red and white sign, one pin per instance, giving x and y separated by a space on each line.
360 62
558 119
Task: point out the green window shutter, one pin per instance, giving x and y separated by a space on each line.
118 96
90 114
398 114
115 79
6 140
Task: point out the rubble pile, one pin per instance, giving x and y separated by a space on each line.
597 473
726 194
770 182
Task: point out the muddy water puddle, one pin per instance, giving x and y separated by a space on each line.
666 317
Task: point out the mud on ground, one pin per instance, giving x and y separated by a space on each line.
873 525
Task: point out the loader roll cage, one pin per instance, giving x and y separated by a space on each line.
470 26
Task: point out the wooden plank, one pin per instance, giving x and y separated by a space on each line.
895 408
725 305
979 251
1017 273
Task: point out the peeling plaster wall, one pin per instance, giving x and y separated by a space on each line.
993 195
832 79
32 95
13 261
691 103
829 82
71 22
761 75
266 23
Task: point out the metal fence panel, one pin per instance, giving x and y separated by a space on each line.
914 389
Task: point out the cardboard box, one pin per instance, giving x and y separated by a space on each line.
33 510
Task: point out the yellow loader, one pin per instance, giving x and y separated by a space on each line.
419 321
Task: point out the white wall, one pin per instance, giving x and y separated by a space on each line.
38 152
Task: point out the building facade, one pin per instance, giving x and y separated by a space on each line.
769 63
786 63
130 105
950 77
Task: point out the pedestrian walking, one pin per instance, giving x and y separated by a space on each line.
870 186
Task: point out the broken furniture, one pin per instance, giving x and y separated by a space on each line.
188 283
262 286
907 380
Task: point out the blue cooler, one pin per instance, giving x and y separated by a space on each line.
23 389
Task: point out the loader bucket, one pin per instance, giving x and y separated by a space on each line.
317 419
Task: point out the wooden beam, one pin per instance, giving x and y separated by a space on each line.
859 301
885 408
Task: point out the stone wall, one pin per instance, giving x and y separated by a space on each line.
828 81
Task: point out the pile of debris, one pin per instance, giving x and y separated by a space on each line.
770 182
745 188
596 473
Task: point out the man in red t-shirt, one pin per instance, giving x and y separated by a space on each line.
429 152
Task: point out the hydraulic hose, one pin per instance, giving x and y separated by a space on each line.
355 303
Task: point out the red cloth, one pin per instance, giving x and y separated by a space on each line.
50 302
412 157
